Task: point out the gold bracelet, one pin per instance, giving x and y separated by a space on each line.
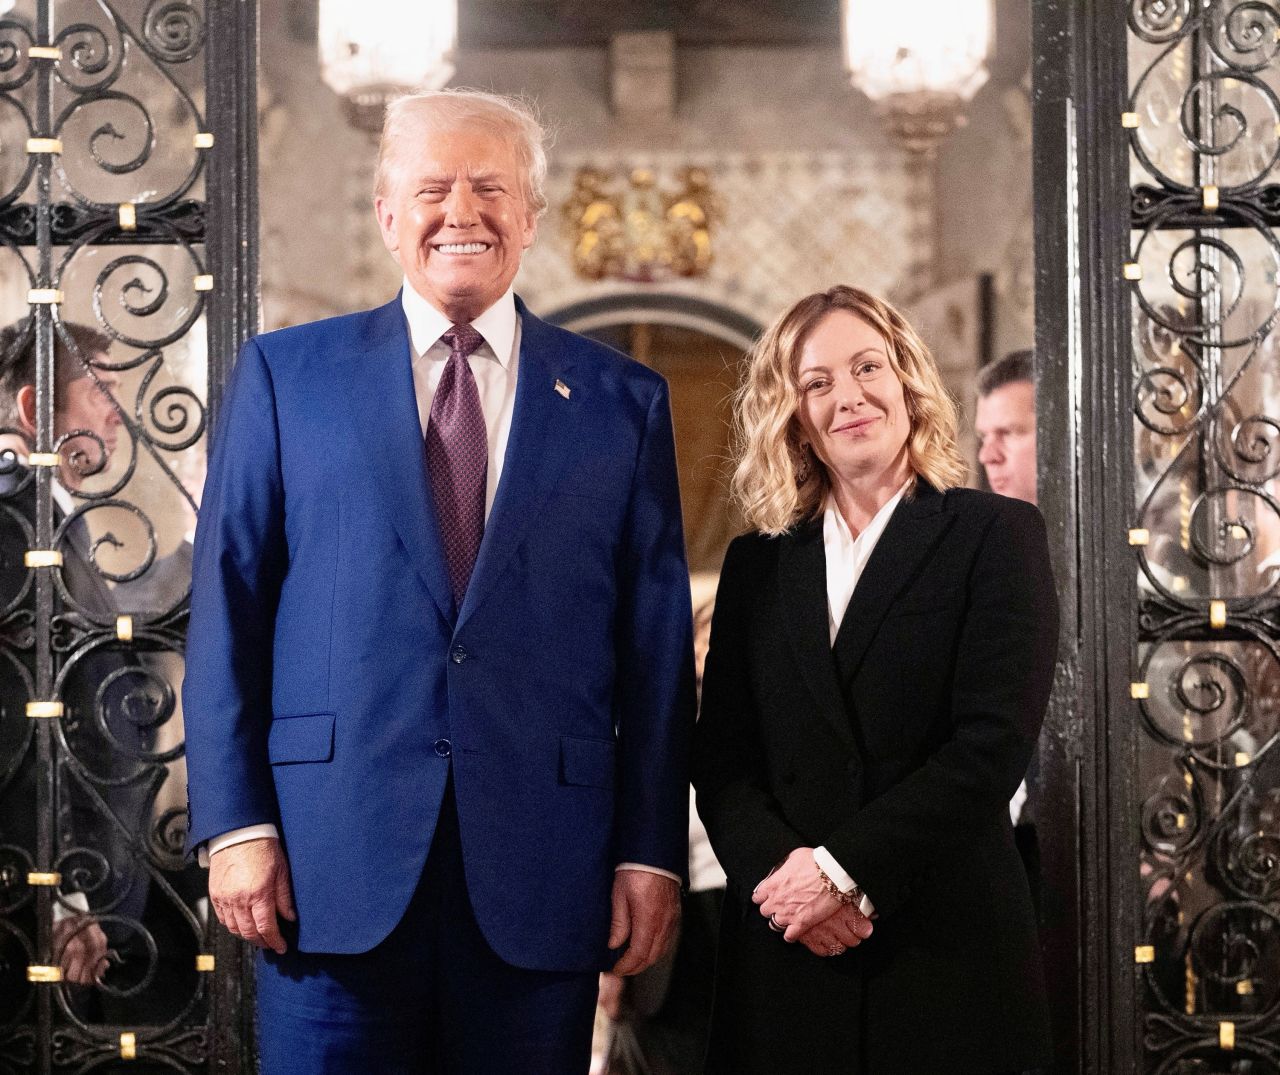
842 897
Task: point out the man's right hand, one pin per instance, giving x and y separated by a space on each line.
248 887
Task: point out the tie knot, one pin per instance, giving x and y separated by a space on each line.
462 340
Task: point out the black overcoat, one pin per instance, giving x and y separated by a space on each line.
897 749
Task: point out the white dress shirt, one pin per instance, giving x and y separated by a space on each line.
847 558
495 365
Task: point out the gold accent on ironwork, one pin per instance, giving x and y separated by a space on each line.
1243 758
203 140
1138 691
44 880
1217 614
128 216
203 282
124 628
44 459
1144 953
1180 822
44 52
205 962
1209 197
46 710
1238 532
42 558
44 975
1130 120
633 230
1244 987
44 296
1139 536
1132 270
128 1045
43 145
1226 1035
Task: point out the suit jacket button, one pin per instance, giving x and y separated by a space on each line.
443 747
458 655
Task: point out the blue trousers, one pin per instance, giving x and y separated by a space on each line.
431 999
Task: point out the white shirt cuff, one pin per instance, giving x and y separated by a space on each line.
828 865
647 869
1018 801
235 836
70 905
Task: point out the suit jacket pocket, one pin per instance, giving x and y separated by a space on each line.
303 738
586 762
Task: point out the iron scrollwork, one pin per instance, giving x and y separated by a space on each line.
1204 209
102 630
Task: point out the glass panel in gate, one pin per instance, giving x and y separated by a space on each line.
1203 124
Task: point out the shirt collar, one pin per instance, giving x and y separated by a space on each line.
427 324
834 521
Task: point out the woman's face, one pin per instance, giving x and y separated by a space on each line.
852 407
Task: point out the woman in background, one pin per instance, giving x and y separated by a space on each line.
881 657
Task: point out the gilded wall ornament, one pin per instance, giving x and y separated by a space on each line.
637 231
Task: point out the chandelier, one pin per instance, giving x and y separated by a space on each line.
921 61
371 51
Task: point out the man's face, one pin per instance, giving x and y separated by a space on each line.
86 404
455 217
1006 428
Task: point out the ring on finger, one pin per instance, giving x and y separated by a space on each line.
836 949
775 925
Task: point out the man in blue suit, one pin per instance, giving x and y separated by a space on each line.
439 673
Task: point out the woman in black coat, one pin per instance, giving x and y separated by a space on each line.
881 657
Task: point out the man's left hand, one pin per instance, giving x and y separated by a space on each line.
646 908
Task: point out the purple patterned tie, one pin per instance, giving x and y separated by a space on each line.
458 458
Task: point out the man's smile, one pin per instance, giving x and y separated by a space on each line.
461 248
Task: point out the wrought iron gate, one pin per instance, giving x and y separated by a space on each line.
1159 271
127 277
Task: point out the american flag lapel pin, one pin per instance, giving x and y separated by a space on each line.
562 388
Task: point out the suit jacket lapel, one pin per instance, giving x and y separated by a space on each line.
385 412
542 426
913 531
802 576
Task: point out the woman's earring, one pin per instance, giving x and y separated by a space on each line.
802 471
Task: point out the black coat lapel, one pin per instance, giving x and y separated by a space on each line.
802 578
913 532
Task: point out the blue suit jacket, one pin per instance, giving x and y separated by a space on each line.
328 670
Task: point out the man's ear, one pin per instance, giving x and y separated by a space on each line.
26 400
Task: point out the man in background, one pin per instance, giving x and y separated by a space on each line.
1006 427
85 425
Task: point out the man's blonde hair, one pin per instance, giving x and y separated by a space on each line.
769 439
510 118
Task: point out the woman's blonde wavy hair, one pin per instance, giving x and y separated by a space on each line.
772 457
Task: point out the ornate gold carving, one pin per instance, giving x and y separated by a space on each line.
636 231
